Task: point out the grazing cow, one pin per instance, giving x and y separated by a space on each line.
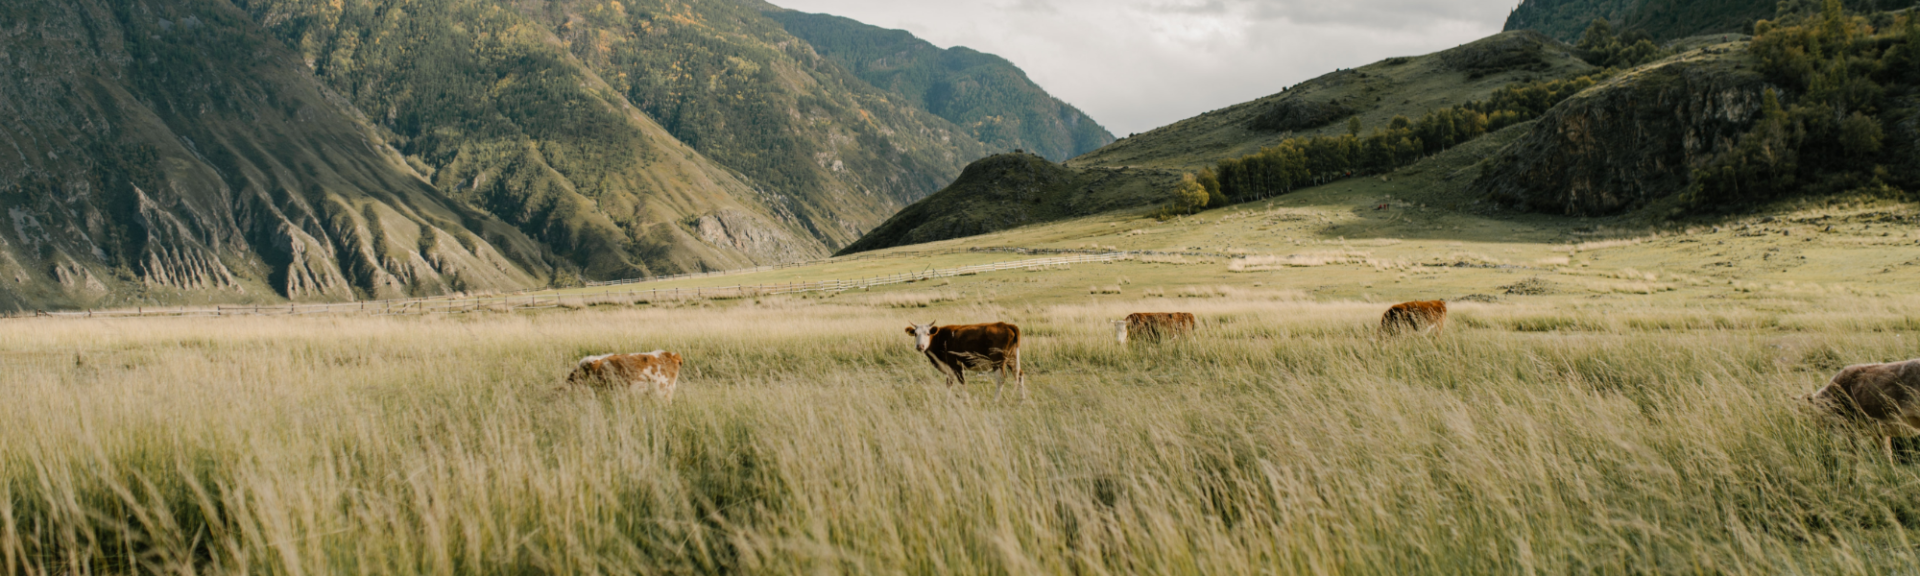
657 371
1414 317
980 347
1153 326
1888 395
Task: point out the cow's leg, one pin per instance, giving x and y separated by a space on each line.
1019 375
999 381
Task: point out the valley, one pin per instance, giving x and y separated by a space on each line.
306 299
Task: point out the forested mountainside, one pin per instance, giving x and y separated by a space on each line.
985 94
1664 20
161 151
1816 104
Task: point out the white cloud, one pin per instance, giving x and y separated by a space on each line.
1134 65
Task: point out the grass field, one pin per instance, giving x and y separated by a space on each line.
1611 397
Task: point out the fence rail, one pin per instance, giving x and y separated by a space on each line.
629 296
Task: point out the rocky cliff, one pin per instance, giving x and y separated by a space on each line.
1632 140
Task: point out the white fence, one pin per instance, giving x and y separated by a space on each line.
608 296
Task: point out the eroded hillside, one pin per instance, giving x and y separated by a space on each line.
166 150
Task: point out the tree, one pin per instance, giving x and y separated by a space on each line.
1215 197
1189 195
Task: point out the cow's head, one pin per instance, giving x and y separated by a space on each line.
1120 331
1837 396
922 335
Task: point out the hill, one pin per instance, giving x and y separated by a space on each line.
1814 105
983 93
1406 86
1013 190
1135 172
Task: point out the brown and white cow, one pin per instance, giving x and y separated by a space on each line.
1428 316
1887 395
980 347
1153 326
656 372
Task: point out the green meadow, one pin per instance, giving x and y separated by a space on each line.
1610 396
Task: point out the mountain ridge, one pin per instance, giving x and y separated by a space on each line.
983 93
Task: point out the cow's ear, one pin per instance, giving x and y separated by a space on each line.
909 330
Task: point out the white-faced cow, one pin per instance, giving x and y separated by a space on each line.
980 347
1887 395
1414 317
656 372
1153 326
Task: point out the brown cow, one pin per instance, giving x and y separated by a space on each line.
1888 395
979 347
1428 316
657 371
1153 326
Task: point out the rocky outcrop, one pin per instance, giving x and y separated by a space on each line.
748 234
1634 139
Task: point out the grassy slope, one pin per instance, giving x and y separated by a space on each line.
983 93
1431 241
1136 172
1396 87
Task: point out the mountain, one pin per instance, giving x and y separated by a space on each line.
586 97
1666 20
259 150
984 94
164 151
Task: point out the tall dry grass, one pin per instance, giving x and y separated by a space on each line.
1583 437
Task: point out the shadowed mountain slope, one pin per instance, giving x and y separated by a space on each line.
985 94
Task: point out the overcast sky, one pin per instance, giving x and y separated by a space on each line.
1135 65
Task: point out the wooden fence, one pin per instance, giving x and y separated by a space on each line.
630 295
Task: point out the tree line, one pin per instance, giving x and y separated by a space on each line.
1309 161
